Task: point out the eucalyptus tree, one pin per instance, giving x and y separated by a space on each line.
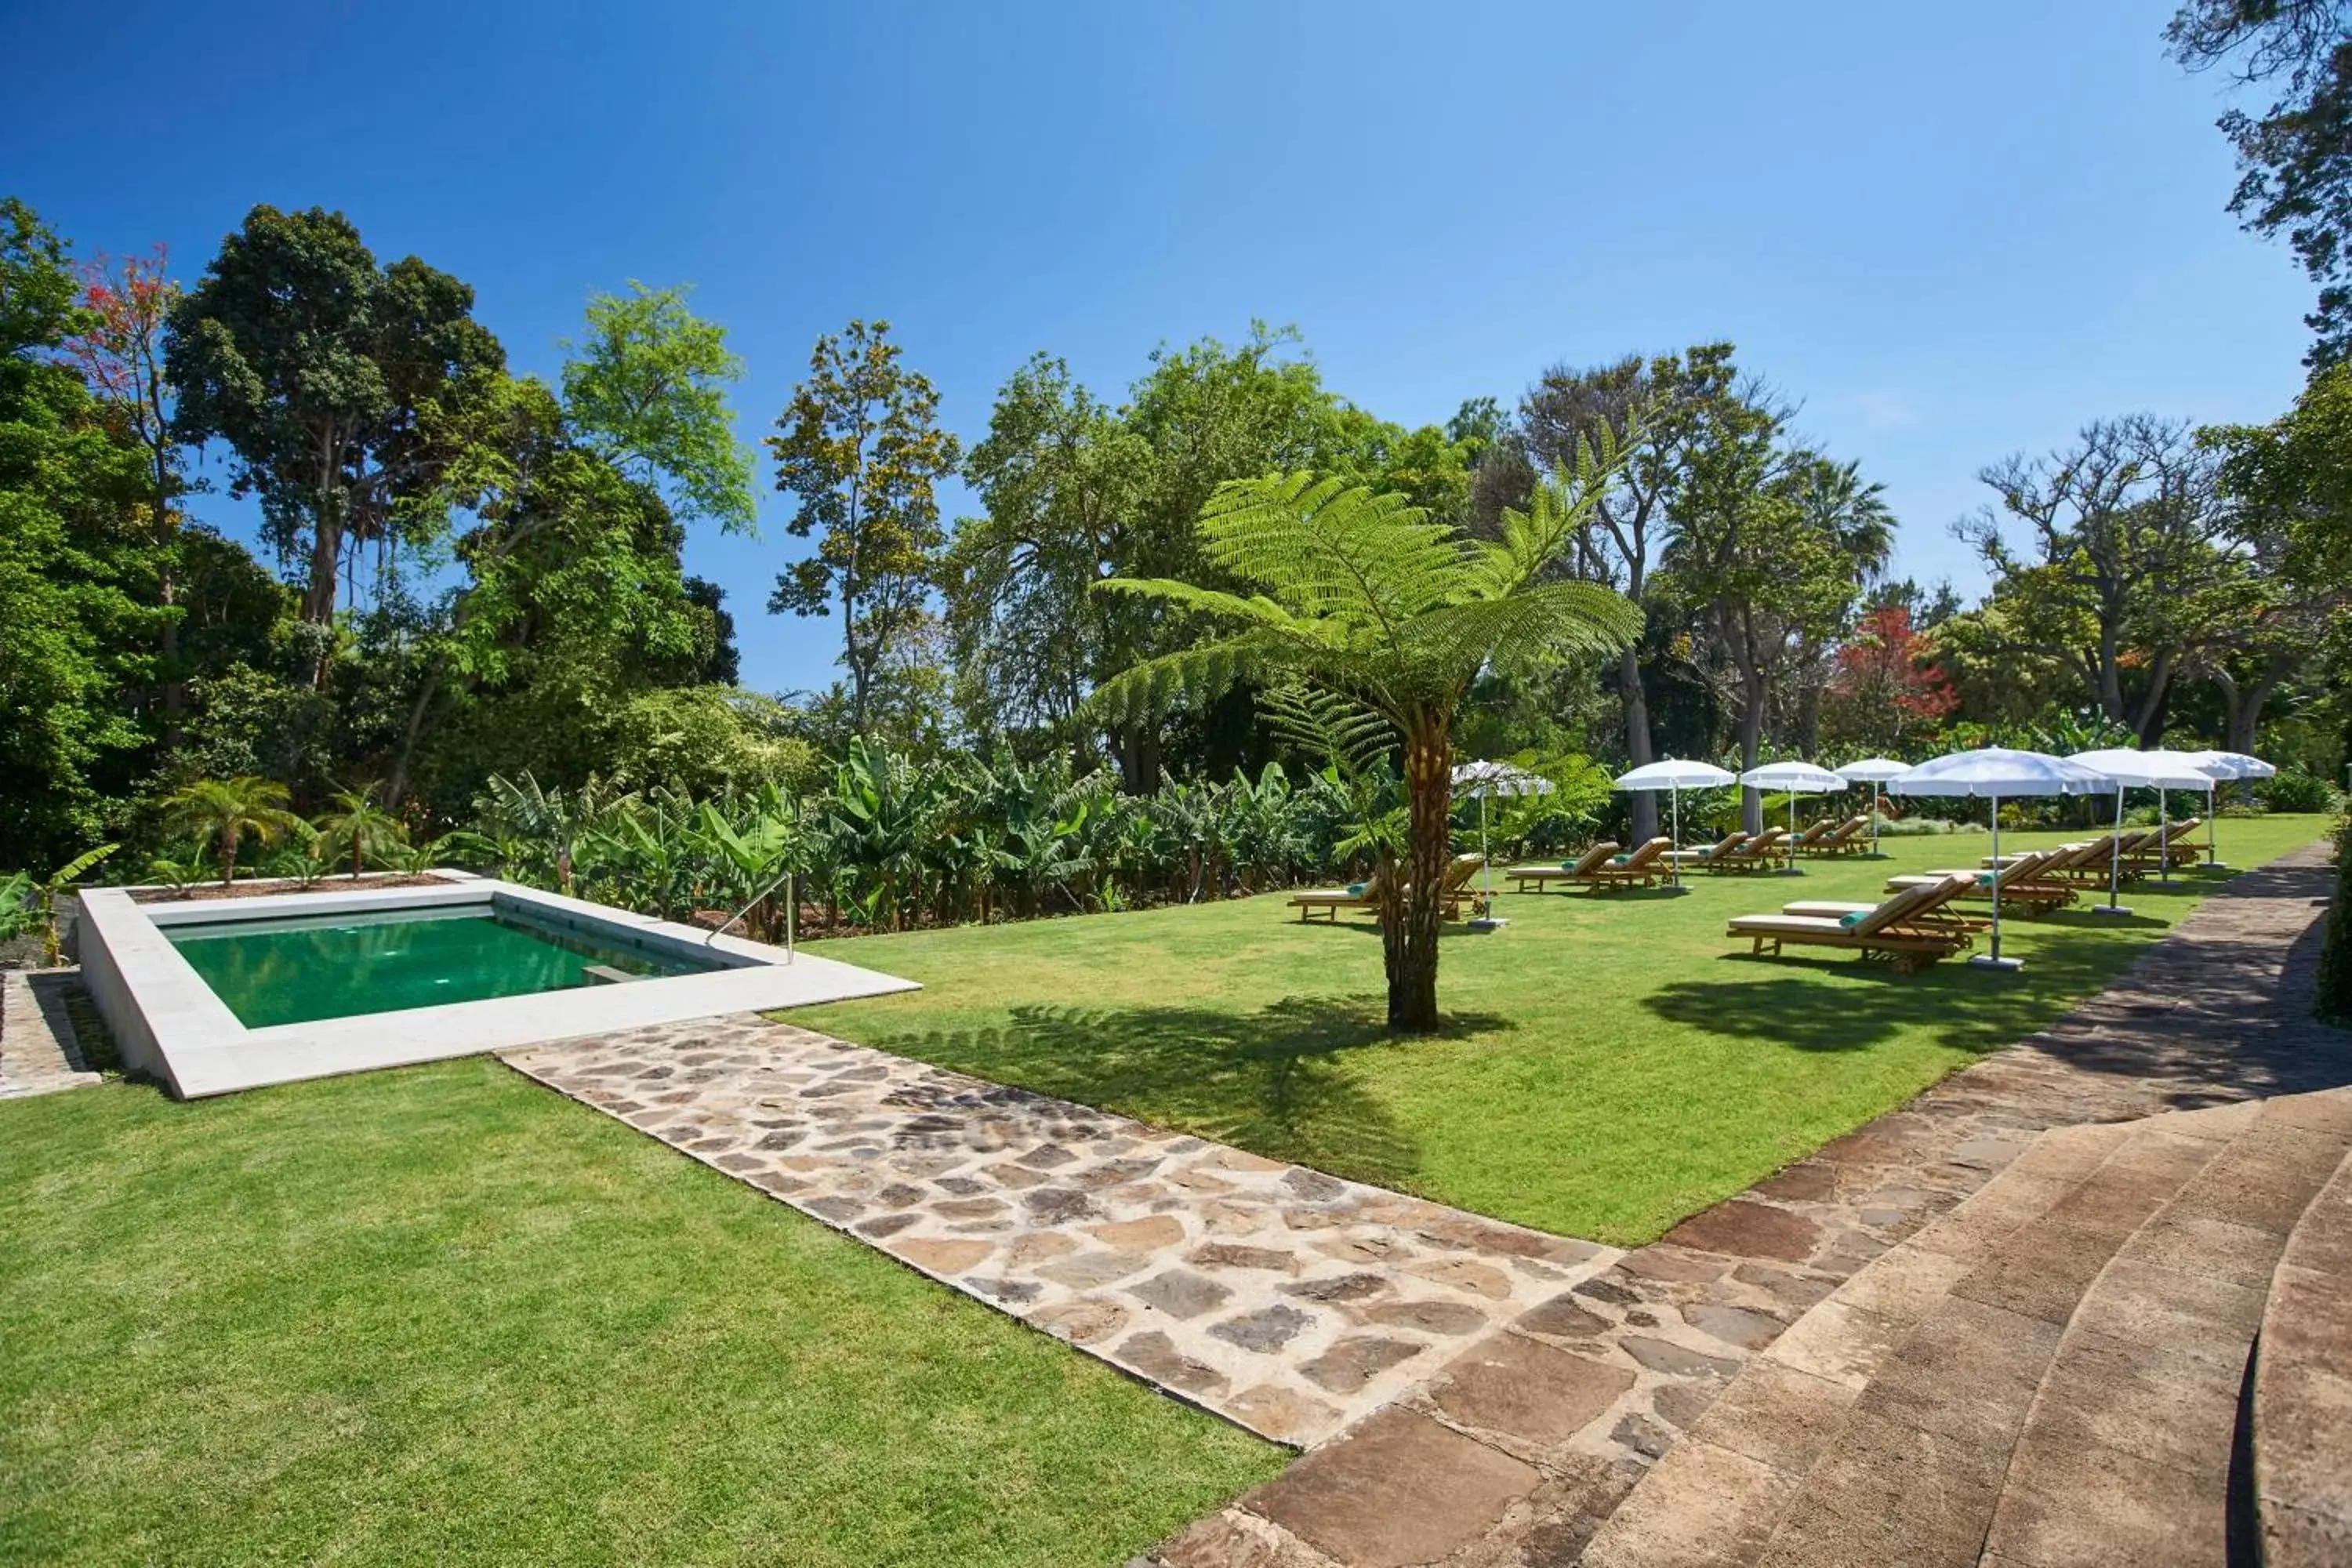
1360 594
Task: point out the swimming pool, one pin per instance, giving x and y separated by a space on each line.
296 970
213 995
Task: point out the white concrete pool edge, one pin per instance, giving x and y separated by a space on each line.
167 1022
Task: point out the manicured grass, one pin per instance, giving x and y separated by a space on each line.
1610 1065
444 1316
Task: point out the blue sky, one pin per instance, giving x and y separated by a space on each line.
1951 232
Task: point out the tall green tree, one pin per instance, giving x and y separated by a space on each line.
334 380
2115 536
2295 155
78 627
646 389
859 449
1360 594
1659 410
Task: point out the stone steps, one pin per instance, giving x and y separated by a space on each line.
2301 1408
2049 1374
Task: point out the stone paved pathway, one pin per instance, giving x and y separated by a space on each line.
1287 1301
1517 1451
39 1051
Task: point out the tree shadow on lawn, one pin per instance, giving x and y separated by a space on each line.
1273 1081
1835 1002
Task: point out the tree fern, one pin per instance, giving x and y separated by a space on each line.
1359 595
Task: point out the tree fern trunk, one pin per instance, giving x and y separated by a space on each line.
1411 947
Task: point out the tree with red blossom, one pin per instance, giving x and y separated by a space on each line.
1886 688
120 354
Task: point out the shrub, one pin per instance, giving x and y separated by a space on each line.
2334 1002
1920 826
2291 789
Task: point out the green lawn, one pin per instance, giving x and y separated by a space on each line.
1610 1067
443 1315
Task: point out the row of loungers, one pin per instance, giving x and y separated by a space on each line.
1603 865
1367 896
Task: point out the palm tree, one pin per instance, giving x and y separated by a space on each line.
223 811
361 828
1362 595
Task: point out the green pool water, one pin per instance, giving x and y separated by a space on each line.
337 967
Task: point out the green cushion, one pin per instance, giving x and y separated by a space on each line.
1620 859
1356 889
1853 919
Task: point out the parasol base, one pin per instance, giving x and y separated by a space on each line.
1487 923
2110 909
1987 961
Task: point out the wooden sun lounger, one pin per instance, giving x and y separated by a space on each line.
1520 877
1332 900
1699 859
2021 883
2091 860
1767 851
1848 838
1456 886
1644 867
1909 929
2171 845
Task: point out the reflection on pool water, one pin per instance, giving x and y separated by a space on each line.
337 967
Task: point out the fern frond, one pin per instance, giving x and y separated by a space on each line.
1324 724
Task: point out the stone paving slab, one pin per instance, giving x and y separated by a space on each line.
1289 1302
39 1051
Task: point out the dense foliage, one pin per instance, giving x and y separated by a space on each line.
465 629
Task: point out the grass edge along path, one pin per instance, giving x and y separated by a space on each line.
1612 1063
440 1314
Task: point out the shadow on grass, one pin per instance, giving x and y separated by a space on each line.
2196 1023
1274 1081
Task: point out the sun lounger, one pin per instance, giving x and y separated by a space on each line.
2021 882
1767 851
1848 838
2091 860
1364 898
1538 876
2171 845
1456 886
1909 929
1814 833
1700 859
1644 867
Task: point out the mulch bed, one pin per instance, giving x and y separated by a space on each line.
265 889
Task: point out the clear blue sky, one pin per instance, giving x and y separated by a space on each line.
1952 232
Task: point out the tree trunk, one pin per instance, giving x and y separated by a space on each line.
1410 924
1751 738
1638 751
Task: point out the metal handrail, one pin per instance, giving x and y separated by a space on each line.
791 908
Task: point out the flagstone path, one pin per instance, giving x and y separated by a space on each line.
1520 1450
1287 1301
39 1051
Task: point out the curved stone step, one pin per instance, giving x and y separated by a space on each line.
1882 1425
2301 1407
2125 1452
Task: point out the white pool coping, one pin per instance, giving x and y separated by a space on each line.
168 1023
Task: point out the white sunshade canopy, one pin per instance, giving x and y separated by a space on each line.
2149 770
2233 765
1999 772
1675 775
1792 776
1872 770
1480 780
